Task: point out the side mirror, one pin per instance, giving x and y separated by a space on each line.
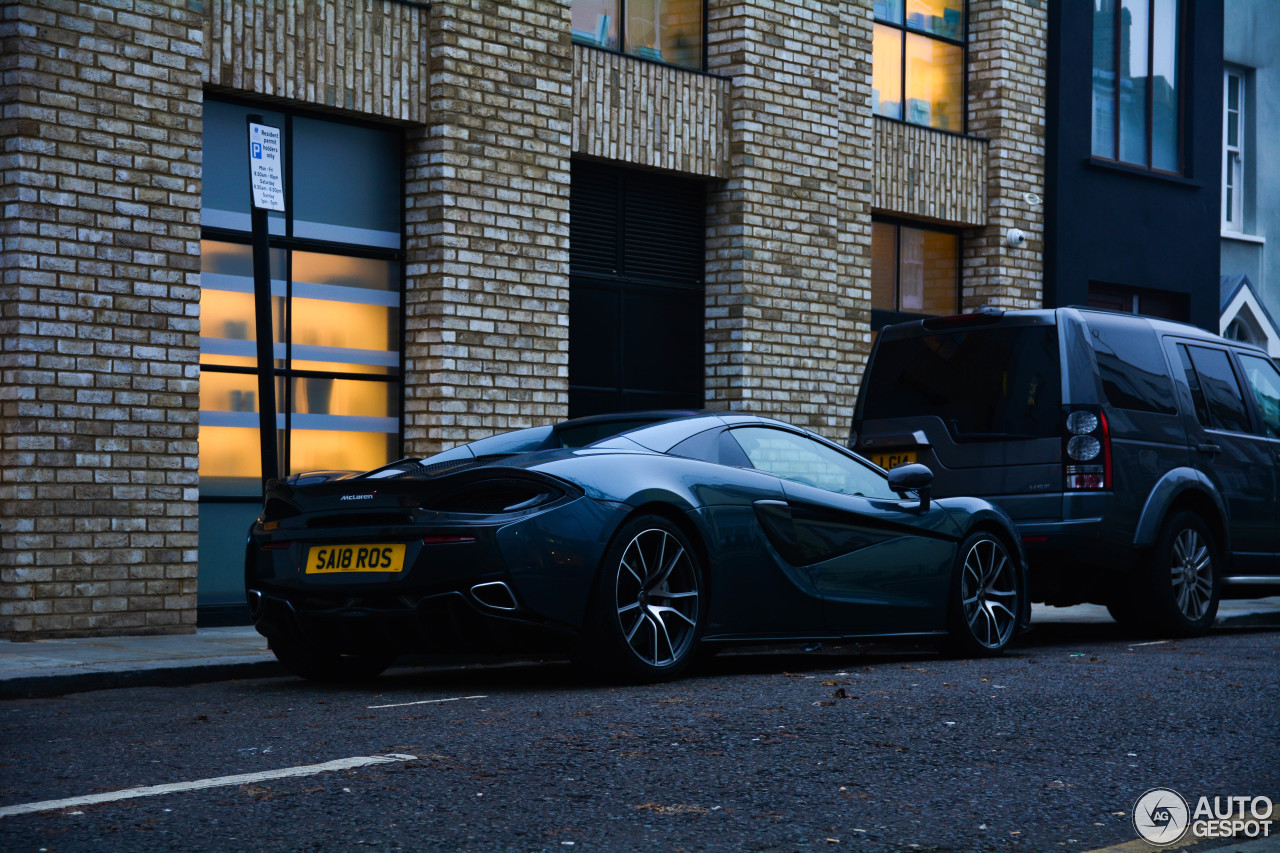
912 478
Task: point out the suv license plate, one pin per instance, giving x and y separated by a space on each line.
892 458
330 559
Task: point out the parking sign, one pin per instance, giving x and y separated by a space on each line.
266 177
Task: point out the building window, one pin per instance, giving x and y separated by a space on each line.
1139 300
1233 151
637 298
670 31
1136 107
918 62
336 270
914 271
1245 331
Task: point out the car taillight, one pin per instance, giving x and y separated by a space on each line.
447 540
1087 451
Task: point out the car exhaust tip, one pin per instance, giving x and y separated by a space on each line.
495 596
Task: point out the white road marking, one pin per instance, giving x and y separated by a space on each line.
1155 643
427 702
201 784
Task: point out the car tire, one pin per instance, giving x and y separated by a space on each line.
1179 585
986 598
647 611
318 664
1125 609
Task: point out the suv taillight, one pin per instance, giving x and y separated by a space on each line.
1086 451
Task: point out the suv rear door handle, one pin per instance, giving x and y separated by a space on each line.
1209 448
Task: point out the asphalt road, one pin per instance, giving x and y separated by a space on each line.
863 748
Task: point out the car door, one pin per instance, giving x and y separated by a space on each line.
1226 447
1263 381
880 564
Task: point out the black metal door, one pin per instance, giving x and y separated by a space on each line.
637 258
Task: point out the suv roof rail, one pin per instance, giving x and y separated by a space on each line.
1115 313
1140 316
1098 310
982 316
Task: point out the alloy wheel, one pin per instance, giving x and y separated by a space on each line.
989 593
657 597
1192 574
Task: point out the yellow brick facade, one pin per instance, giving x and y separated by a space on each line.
100 176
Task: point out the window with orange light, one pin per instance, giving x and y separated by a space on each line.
670 31
918 62
914 271
336 285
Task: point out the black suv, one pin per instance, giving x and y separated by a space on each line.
1139 458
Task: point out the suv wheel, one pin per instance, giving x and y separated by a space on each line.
1178 589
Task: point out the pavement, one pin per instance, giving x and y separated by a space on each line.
55 667
59 666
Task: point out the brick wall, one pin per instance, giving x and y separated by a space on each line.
488 185
100 180
1007 67
858 165
99 289
100 175
927 175
783 334
364 57
648 114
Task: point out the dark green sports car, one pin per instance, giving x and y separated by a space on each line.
627 541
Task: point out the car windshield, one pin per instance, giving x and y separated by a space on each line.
994 383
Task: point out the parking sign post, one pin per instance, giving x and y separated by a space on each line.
266 185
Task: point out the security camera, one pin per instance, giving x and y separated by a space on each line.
1015 237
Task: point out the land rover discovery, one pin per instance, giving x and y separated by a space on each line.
1139 458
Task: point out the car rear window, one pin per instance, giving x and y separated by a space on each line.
985 384
581 435
1130 364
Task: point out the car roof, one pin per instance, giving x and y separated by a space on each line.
986 318
661 436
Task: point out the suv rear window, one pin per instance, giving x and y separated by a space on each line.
1130 364
993 383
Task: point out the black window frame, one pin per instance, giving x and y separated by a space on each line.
881 317
622 40
287 243
1180 57
627 267
962 43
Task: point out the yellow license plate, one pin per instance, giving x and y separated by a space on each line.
892 458
329 559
